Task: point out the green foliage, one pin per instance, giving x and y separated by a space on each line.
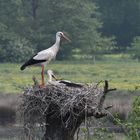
16 51
36 22
73 17
99 46
133 124
135 50
103 134
121 18
95 27
12 47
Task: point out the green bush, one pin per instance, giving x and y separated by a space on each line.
134 123
135 50
15 49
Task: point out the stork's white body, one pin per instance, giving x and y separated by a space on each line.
61 82
45 56
48 54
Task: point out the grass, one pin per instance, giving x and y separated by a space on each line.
122 74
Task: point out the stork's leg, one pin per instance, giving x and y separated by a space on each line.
42 74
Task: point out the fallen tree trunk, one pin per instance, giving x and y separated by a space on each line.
62 109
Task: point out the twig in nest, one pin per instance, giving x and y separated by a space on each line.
36 83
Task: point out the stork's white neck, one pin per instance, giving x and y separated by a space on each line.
49 77
57 43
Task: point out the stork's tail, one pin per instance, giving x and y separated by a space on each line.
23 67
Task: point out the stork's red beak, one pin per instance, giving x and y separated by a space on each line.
56 78
66 38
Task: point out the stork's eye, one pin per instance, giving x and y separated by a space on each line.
61 34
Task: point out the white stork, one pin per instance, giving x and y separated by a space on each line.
51 76
45 56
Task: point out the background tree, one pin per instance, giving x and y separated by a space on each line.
90 24
121 18
12 47
135 48
73 17
37 21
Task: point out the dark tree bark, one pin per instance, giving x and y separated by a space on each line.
55 130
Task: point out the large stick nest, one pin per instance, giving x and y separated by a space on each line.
60 101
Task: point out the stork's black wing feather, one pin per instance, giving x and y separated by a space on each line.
31 61
71 84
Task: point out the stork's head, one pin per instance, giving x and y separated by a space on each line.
62 35
50 72
51 75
